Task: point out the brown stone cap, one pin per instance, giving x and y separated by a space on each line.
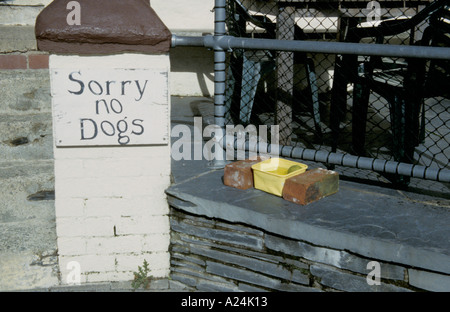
106 26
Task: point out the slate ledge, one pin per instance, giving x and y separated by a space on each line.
370 221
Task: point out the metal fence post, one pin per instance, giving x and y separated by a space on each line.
219 81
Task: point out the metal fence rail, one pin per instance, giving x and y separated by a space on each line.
241 54
228 43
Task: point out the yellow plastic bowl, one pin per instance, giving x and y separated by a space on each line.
271 174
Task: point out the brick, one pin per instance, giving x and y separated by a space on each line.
85 227
69 207
116 207
240 174
311 186
113 245
38 61
155 242
125 187
143 224
157 261
92 278
13 62
72 246
87 263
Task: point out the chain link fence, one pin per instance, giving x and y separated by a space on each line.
380 107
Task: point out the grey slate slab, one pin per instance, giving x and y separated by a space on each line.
372 222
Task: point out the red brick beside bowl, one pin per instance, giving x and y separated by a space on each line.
239 174
311 186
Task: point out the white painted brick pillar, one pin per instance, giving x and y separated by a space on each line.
111 121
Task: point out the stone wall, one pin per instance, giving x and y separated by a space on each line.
24 82
18 49
215 255
27 217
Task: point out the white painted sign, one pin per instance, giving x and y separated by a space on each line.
110 107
